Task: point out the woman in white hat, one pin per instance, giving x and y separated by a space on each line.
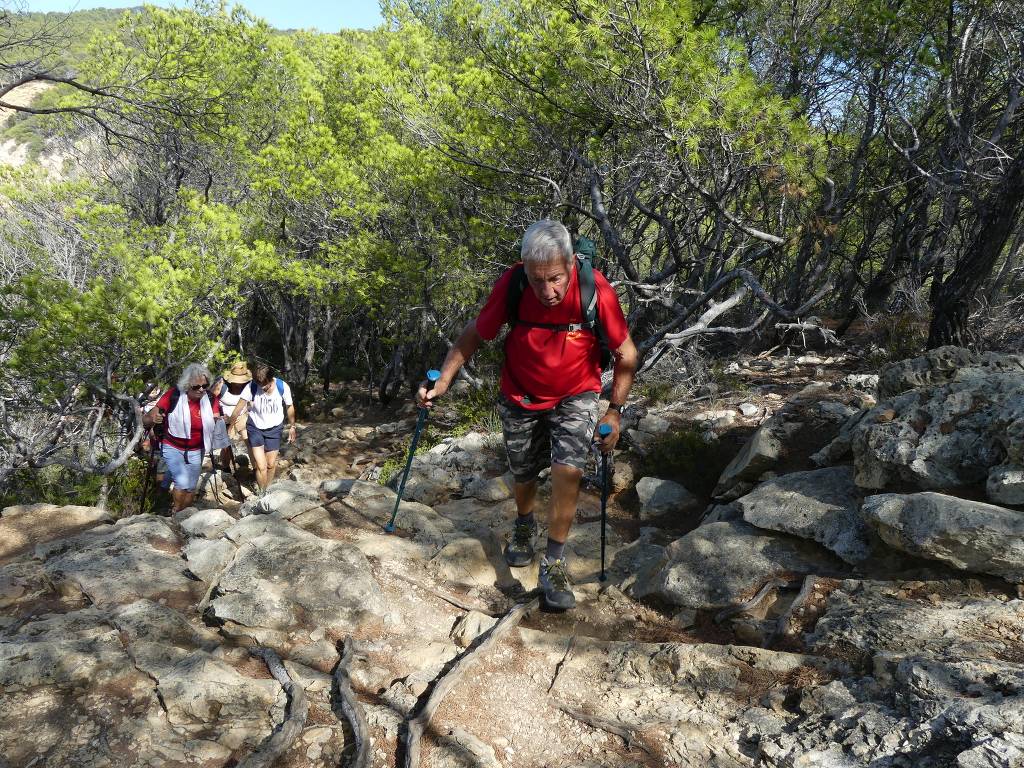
234 382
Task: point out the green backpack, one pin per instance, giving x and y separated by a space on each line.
588 300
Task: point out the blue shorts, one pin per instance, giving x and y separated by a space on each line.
184 474
268 439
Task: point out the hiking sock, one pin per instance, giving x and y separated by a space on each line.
530 519
554 550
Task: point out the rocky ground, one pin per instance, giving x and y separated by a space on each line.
850 596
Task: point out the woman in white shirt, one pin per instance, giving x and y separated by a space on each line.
267 401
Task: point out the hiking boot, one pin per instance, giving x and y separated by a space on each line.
519 551
554 582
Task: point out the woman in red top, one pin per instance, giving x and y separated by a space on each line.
188 414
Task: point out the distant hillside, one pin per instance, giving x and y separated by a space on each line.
75 29
68 36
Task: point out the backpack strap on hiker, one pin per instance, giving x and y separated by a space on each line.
254 387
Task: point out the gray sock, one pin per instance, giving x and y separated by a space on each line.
554 550
527 519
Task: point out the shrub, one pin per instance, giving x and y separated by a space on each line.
685 458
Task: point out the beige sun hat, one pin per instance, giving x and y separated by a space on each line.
239 374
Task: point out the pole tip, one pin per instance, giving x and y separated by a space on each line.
390 527
604 577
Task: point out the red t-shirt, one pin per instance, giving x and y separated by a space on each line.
194 442
544 366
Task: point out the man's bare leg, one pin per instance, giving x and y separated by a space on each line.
565 493
553 577
526 495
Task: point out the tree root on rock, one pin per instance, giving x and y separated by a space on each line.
763 593
614 727
451 599
279 741
443 687
351 708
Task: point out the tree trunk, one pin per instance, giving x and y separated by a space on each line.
995 223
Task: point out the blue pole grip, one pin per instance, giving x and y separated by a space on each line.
604 430
433 374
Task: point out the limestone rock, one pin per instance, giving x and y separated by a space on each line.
722 417
25 525
197 689
465 562
724 564
945 420
22 582
887 622
655 425
208 523
1005 485
285 498
822 505
206 558
470 626
282 584
968 535
427 484
759 454
461 749
135 558
490 489
942 366
660 497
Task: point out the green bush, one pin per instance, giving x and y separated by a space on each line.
474 410
60 486
656 392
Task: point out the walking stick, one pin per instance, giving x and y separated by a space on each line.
150 467
421 420
604 430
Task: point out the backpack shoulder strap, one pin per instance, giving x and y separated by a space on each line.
588 290
516 286
252 388
280 387
172 403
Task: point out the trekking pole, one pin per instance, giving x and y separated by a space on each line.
421 420
604 430
150 471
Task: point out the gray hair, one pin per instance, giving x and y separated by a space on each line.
192 372
546 241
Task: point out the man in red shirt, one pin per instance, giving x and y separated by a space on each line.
550 385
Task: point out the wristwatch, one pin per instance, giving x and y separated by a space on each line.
617 407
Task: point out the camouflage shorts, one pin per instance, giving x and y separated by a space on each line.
560 435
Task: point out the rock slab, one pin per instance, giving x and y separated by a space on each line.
968 535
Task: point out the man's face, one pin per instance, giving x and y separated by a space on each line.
549 281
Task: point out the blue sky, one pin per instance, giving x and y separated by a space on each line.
324 15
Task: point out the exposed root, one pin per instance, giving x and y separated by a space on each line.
351 708
624 732
278 742
443 687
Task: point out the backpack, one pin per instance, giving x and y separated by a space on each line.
253 387
588 300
